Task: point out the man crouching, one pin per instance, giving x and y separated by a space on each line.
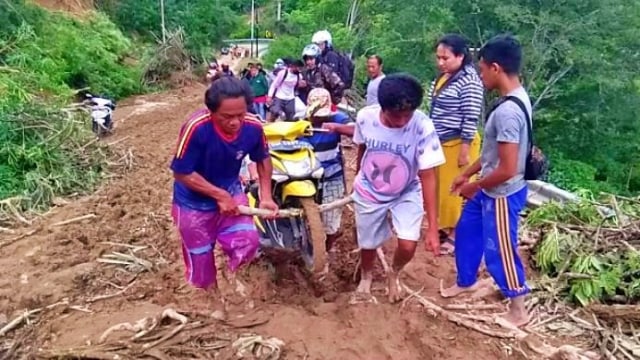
207 190
398 151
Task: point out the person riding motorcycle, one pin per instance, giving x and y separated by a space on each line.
328 55
319 75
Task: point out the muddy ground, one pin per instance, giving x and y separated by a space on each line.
59 263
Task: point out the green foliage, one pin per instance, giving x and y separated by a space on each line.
589 251
44 57
205 22
580 66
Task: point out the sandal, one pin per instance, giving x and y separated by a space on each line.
447 250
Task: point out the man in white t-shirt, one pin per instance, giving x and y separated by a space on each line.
398 152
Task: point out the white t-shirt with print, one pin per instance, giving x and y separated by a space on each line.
393 156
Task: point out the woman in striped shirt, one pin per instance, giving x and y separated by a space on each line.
456 98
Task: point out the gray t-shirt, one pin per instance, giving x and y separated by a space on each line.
507 123
372 90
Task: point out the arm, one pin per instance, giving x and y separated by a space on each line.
358 138
432 86
428 180
507 166
196 182
430 156
508 128
341 125
276 82
471 98
333 82
361 149
472 169
265 170
344 129
260 155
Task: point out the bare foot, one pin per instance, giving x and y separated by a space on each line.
456 290
363 291
395 289
517 315
512 321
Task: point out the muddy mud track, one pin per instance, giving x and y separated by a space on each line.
132 217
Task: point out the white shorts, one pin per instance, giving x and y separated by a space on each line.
332 190
373 226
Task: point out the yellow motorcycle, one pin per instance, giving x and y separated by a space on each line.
296 182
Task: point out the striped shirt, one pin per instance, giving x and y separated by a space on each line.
327 148
456 105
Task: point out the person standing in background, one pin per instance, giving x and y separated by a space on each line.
374 70
260 88
456 97
282 93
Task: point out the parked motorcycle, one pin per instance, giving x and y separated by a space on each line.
101 110
296 183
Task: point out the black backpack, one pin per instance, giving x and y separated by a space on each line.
346 69
537 164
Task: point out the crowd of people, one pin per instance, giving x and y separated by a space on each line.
281 93
411 166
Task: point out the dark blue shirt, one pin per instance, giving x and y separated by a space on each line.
204 149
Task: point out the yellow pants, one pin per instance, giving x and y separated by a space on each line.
450 206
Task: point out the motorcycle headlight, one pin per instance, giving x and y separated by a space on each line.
317 173
279 178
298 168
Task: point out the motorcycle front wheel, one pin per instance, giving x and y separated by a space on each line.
316 233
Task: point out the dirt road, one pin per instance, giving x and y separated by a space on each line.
59 262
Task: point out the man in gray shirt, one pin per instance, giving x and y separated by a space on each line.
374 70
489 222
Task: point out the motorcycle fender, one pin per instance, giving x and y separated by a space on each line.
303 188
256 219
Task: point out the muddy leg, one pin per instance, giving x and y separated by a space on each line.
367 260
403 254
517 315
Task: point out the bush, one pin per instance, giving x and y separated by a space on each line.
44 57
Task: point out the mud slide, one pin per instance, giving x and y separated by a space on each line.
114 257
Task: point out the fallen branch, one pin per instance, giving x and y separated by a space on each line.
513 333
145 325
18 320
109 296
469 307
19 237
256 345
76 219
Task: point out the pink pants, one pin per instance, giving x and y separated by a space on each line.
200 230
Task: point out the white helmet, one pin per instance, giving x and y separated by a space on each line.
322 36
311 50
279 64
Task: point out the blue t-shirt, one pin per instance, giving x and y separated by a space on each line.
204 149
327 149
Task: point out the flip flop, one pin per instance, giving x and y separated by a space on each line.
445 250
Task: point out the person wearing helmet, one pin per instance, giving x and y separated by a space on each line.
319 75
328 55
277 66
327 148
